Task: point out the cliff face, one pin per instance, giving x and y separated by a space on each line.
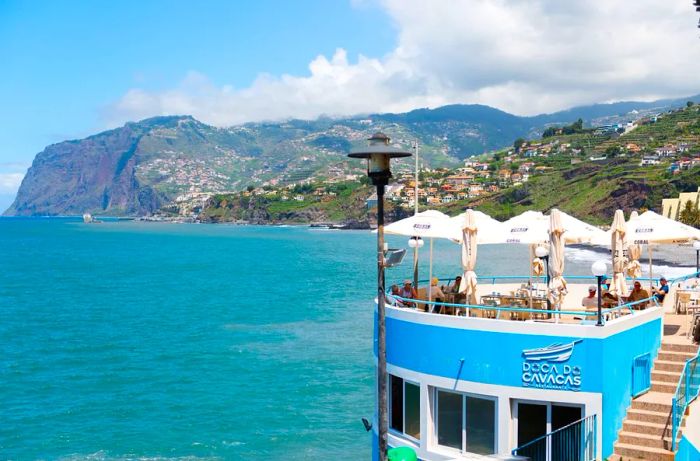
96 175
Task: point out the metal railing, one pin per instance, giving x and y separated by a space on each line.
573 442
641 374
686 391
498 309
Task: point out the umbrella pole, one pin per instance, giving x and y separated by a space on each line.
430 277
529 281
651 270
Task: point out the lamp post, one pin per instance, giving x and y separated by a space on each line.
379 154
696 246
598 269
415 243
543 253
418 240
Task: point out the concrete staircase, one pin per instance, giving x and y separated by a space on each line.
646 431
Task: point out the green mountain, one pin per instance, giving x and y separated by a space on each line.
140 167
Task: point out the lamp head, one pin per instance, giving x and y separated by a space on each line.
415 242
696 245
599 268
378 154
541 252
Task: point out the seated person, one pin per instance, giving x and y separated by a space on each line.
661 292
454 286
637 294
407 291
436 294
392 298
591 301
605 286
609 300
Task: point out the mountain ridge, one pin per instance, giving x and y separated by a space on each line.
139 167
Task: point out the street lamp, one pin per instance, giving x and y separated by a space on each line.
598 269
415 243
543 253
379 154
696 246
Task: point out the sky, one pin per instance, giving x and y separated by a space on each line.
71 68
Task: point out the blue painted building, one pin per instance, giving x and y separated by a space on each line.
462 385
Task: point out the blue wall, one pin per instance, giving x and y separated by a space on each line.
687 451
496 358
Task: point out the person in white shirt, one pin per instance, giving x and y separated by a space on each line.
590 301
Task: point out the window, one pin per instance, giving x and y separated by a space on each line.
404 416
465 422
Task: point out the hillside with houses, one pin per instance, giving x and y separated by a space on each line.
588 171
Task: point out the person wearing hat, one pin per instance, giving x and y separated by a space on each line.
408 291
590 301
661 292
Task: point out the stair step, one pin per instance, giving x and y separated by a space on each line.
656 417
672 356
646 453
687 348
652 406
665 376
644 427
661 386
644 440
664 365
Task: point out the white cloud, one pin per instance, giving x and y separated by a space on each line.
524 56
9 182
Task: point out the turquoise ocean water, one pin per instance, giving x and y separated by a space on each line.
129 340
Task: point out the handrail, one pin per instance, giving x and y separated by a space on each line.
514 308
686 391
493 278
574 442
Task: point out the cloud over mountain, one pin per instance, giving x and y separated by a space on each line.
524 56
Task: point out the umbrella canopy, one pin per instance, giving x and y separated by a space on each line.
634 252
489 228
426 224
650 228
557 286
618 231
533 227
470 231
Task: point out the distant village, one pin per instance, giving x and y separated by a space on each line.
477 176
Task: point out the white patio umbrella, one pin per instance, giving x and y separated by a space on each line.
532 227
651 228
470 231
618 231
426 224
429 224
557 285
634 252
489 229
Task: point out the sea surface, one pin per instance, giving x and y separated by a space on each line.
130 340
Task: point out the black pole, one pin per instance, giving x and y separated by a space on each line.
697 261
381 329
600 302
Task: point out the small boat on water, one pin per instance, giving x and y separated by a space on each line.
556 352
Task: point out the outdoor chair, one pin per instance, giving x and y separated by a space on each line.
682 302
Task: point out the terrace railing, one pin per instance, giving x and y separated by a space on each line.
573 442
498 309
686 391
